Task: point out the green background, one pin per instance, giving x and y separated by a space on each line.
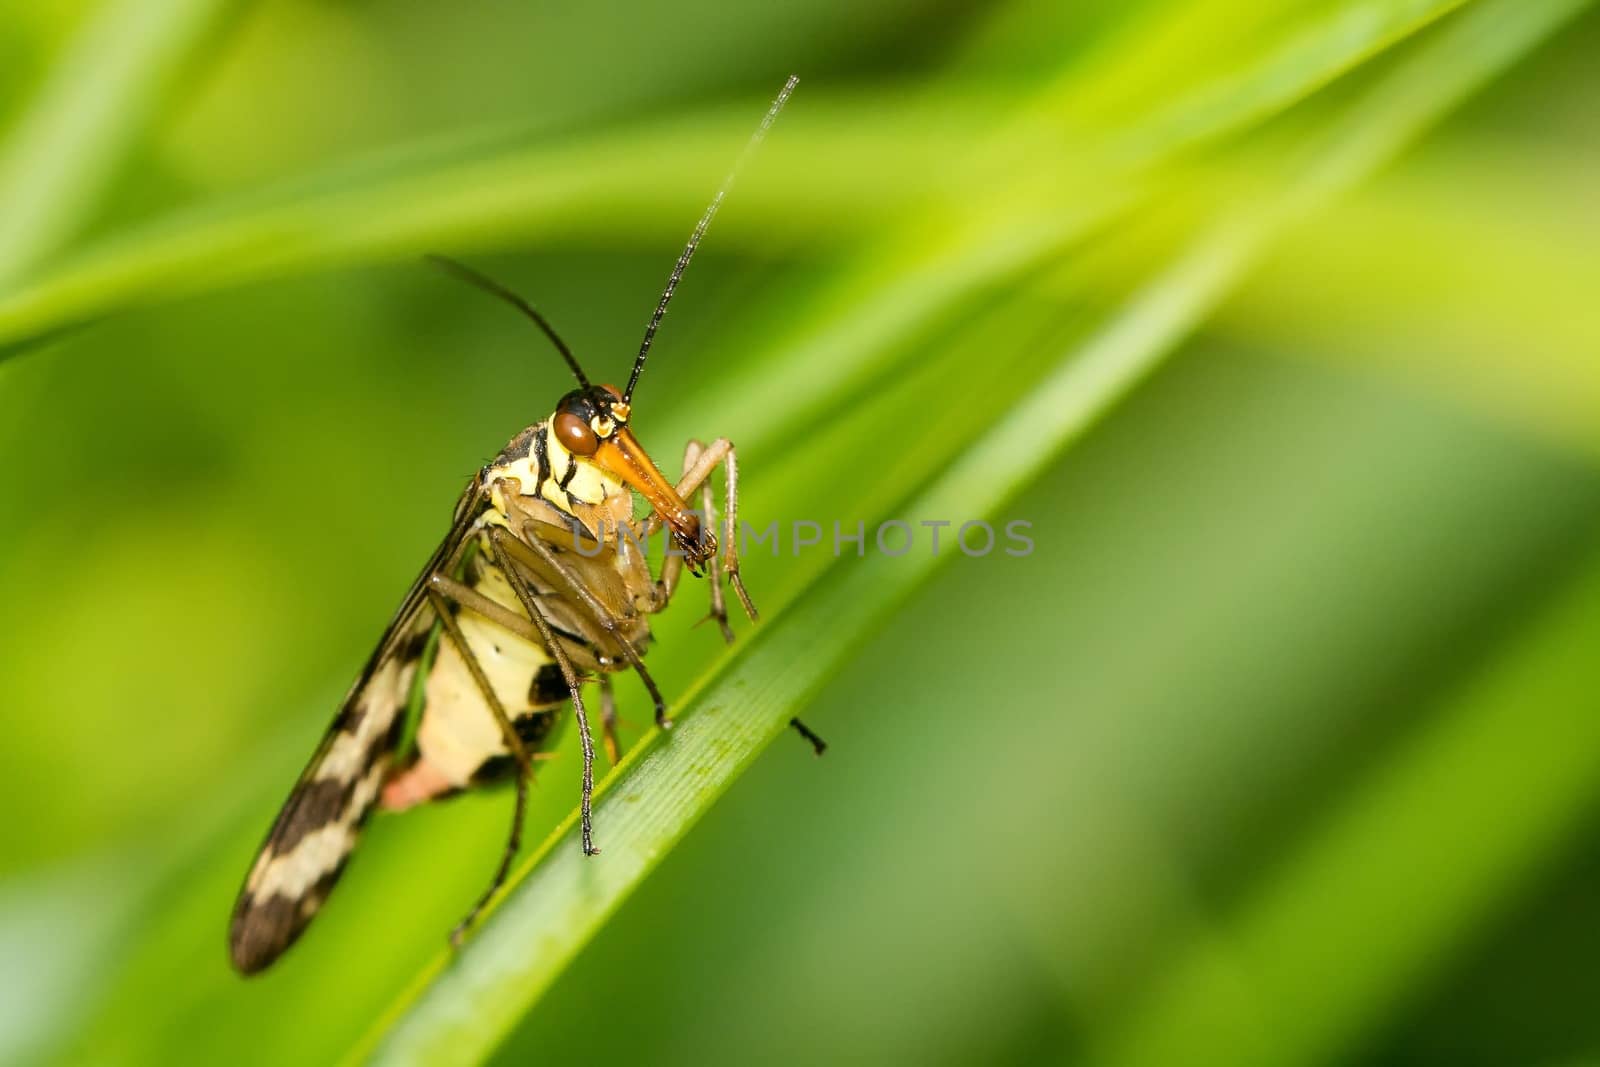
1282 747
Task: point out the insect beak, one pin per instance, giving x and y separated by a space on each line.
622 456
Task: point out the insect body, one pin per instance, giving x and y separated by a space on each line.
534 591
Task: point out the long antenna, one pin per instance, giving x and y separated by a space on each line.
700 231
494 288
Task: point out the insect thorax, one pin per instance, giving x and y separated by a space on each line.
569 488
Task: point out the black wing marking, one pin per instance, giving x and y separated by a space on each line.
309 843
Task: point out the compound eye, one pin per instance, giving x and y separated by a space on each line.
575 435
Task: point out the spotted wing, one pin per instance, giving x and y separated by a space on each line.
313 836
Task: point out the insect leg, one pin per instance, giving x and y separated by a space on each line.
500 545
730 535
513 742
719 605
699 470
608 719
730 567
495 612
531 552
672 565
698 462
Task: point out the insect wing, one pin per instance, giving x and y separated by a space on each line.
315 832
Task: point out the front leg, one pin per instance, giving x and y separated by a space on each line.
699 461
499 542
530 553
719 604
730 536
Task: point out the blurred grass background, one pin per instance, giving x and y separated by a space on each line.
1283 747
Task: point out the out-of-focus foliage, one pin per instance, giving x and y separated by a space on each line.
1282 746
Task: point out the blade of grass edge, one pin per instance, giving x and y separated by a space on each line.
458 1010
916 271
208 248
64 148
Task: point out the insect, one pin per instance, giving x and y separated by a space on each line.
524 602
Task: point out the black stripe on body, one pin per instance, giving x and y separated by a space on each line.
517 448
548 687
534 726
541 455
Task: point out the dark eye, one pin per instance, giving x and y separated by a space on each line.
575 435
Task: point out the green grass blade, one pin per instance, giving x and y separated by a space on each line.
915 274
65 147
1427 848
458 1009
481 196
1523 358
